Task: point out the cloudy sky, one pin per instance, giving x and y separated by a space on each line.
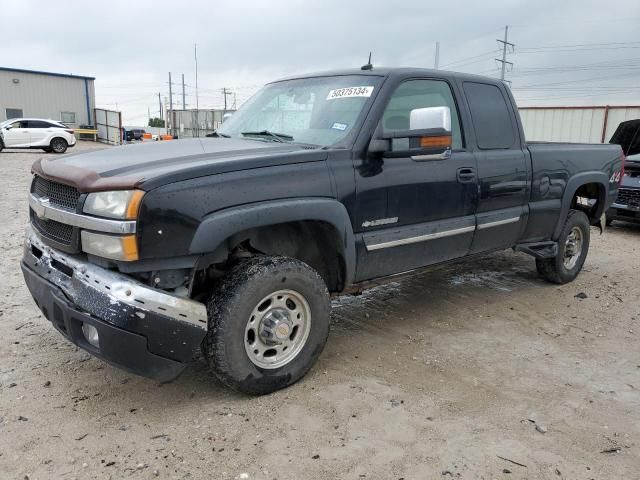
566 52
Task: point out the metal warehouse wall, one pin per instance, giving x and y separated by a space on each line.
575 124
46 96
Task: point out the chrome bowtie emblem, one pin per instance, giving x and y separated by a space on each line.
42 203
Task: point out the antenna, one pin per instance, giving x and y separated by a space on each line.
368 66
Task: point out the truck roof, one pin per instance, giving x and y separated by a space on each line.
394 72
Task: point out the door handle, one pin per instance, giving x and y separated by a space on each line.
466 175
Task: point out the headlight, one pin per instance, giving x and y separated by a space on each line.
120 204
115 247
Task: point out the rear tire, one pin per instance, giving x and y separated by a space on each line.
268 324
59 145
573 247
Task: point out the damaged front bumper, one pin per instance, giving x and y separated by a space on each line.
139 328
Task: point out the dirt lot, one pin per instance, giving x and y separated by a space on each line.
456 373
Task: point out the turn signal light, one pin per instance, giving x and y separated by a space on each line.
440 141
114 247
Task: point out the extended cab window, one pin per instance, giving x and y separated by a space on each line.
490 115
420 94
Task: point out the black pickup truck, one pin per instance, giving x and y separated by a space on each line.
147 254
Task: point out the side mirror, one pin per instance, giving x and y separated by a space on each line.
226 117
428 137
430 118
8 127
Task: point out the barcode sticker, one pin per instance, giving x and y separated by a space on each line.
350 92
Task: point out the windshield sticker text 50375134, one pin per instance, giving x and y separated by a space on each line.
350 92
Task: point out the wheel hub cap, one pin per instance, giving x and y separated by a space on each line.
277 329
275 326
572 248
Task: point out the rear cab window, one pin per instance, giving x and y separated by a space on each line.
490 116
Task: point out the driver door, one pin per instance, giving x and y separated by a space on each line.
17 135
413 210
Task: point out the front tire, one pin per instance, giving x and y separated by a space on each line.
268 324
59 145
573 247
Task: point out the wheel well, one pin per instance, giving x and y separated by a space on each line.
316 243
590 199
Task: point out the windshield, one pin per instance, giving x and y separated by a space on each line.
7 122
318 111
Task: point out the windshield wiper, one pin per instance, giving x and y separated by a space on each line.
277 137
215 133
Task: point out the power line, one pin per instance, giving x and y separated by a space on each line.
590 45
465 61
593 79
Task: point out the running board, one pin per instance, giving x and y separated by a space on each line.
538 249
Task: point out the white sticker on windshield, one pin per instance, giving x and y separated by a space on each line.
350 92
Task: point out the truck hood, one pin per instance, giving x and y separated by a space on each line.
149 165
627 135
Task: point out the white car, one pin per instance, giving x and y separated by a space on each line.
48 135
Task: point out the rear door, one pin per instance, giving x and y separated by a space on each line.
503 168
18 135
39 131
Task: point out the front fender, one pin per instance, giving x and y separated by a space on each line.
219 226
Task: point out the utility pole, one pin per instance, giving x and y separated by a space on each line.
436 63
166 116
195 55
225 92
505 43
184 103
160 106
170 103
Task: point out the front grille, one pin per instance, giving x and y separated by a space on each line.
629 197
56 231
59 195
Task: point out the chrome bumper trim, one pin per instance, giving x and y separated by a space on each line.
625 207
87 279
43 209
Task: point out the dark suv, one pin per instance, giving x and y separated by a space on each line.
134 134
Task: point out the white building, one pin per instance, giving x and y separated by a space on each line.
58 96
589 124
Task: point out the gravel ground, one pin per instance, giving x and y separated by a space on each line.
476 371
